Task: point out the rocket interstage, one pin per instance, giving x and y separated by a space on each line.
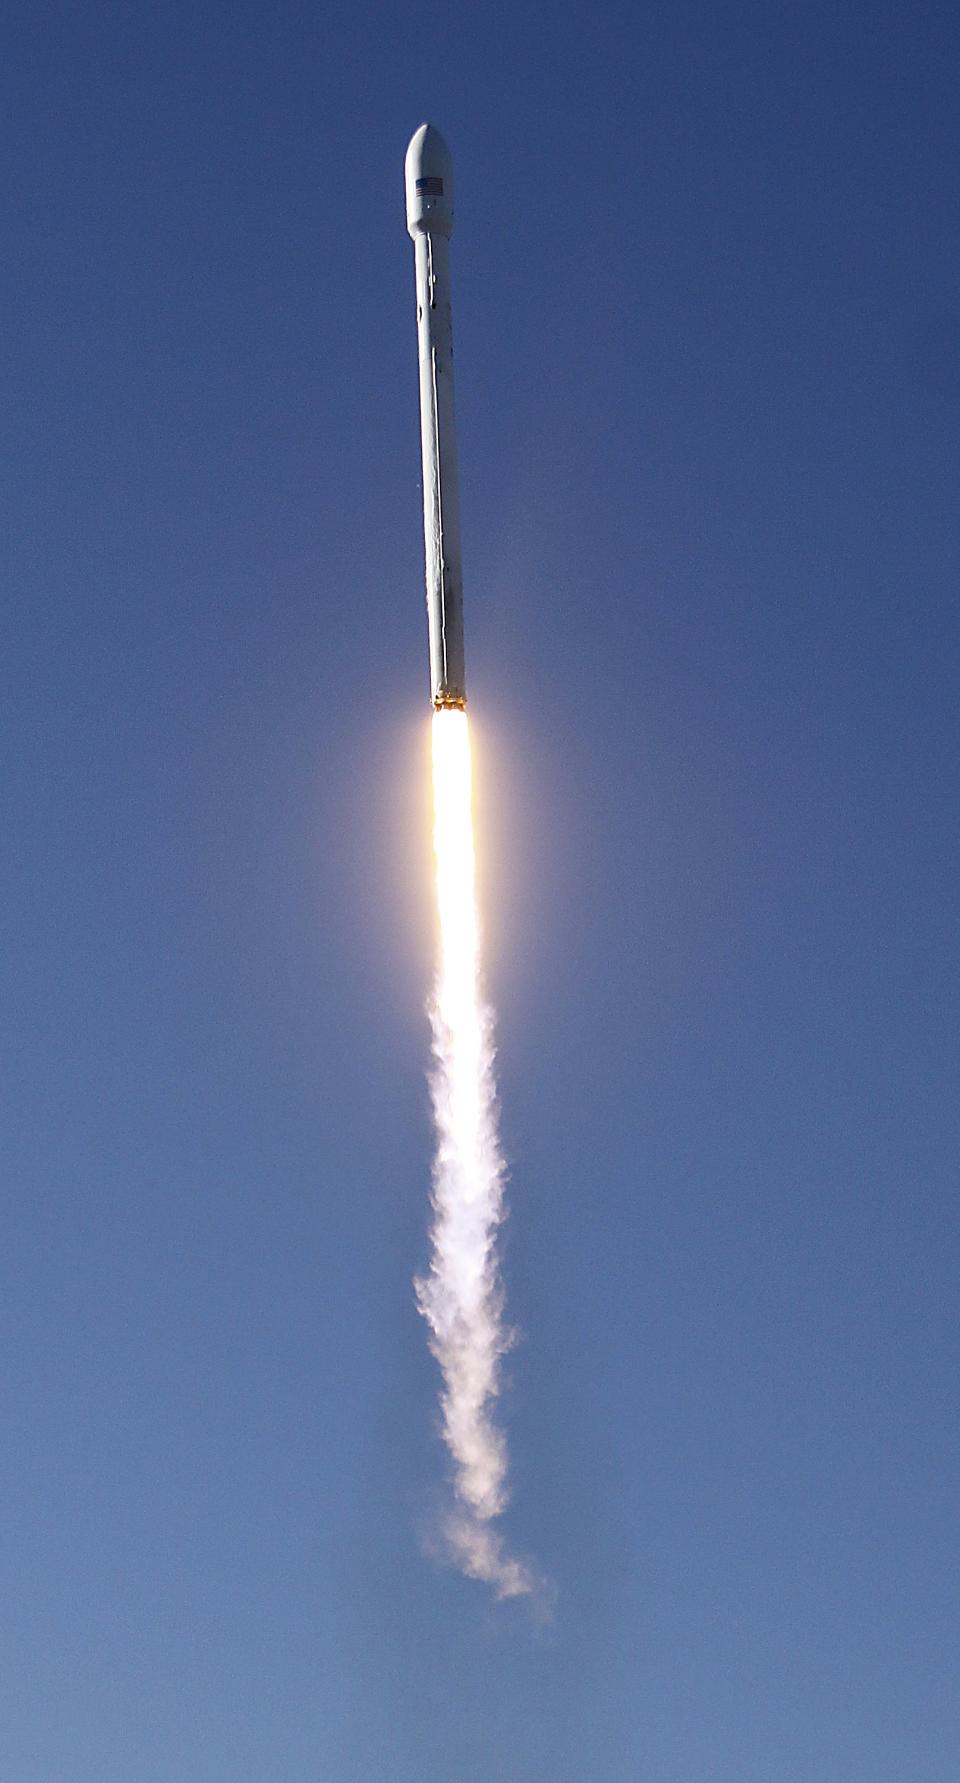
429 185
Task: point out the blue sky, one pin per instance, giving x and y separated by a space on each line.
707 308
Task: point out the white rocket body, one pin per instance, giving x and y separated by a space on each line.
429 185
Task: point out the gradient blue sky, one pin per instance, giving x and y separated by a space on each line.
707 301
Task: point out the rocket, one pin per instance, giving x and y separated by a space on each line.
428 172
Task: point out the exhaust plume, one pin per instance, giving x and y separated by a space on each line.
461 1297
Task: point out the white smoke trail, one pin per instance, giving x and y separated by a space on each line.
461 1297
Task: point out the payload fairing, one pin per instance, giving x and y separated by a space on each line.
429 185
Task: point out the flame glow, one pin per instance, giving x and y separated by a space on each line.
461 1297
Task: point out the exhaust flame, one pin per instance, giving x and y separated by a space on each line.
461 1297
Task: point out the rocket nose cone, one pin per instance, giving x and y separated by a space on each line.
429 150
428 172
